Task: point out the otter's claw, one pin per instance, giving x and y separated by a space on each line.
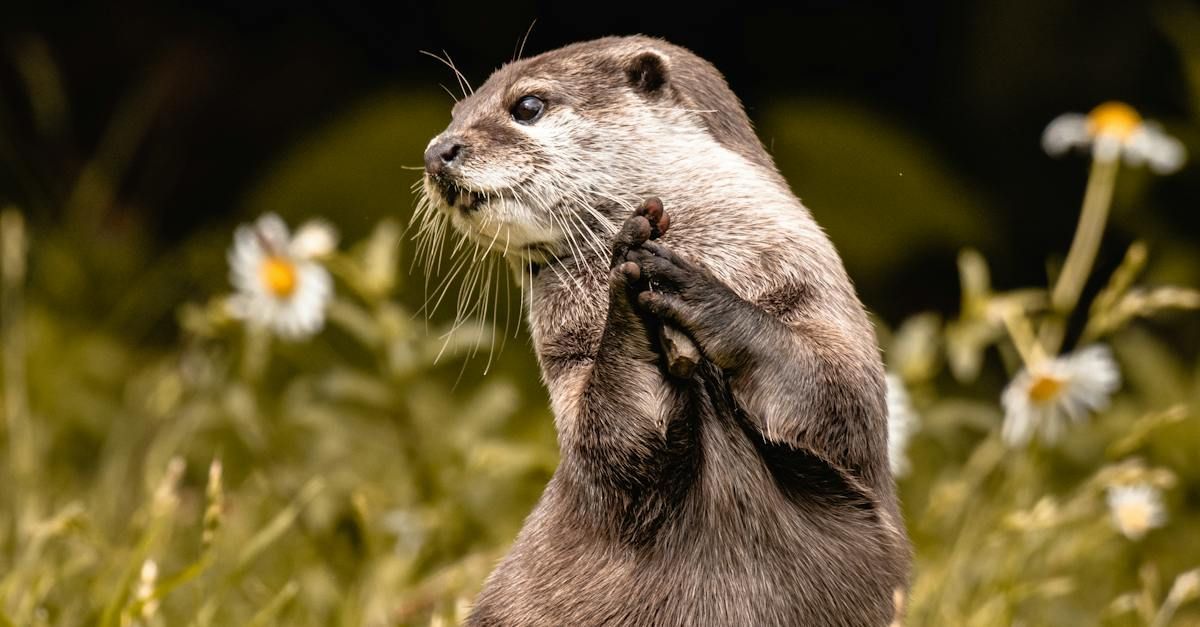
652 210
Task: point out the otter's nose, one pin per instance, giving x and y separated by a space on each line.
442 155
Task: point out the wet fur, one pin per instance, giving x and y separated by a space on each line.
756 492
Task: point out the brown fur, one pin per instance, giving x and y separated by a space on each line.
757 492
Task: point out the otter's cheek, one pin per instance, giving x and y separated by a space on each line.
464 224
496 176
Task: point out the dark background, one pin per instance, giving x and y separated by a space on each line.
976 81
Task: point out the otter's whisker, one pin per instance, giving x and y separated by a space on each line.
558 263
425 233
444 288
494 287
572 245
465 289
478 311
447 90
521 48
590 238
439 242
587 205
460 244
492 245
623 203
529 302
463 84
685 110
508 287
459 74
481 275
433 259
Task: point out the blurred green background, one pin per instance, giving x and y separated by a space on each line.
365 484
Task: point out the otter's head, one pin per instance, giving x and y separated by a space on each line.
557 145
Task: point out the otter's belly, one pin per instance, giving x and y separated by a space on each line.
737 552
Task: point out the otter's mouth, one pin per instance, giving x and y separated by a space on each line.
459 197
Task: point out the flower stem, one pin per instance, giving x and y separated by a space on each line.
1092 219
256 352
13 387
1020 331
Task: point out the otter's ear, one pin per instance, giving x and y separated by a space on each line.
647 72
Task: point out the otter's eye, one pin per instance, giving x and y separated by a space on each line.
528 109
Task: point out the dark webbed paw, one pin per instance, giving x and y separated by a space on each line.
647 221
671 287
684 295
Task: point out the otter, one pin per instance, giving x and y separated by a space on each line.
751 489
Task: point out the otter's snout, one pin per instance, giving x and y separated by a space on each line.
443 154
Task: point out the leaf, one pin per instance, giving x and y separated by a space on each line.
278 525
282 598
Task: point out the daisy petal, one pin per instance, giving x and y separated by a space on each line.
1065 132
1163 153
314 239
273 231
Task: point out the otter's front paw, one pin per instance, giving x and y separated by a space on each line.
648 221
682 294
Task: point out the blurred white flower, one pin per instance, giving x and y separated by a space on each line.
902 423
280 285
1136 509
408 527
1114 130
1043 397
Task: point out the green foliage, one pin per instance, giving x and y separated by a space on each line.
357 484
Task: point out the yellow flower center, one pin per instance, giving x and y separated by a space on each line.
1045 388
1115 119
279 275
1133 518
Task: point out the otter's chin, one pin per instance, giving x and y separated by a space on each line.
507 228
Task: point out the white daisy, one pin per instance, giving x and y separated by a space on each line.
1113 130
902 423
280 285
1136 509
1043 397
